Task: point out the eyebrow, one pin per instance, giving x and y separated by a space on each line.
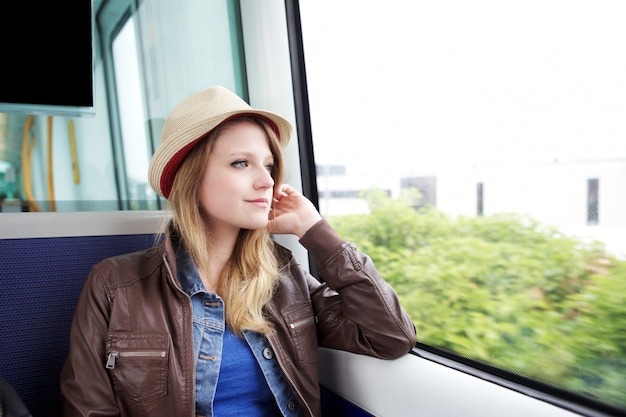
248 154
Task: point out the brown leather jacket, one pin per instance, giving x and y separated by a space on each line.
134 301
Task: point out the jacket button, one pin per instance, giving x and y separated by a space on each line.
291 405
267 353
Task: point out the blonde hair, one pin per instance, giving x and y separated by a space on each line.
251 275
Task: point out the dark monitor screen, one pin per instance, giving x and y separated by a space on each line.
47 58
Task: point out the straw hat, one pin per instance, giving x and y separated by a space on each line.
192 120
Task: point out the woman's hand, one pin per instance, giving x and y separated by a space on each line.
292 213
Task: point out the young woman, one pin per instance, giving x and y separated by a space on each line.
218 319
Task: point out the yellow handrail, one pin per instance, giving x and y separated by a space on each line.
73 153
27 172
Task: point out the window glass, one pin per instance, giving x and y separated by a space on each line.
476 151
135 138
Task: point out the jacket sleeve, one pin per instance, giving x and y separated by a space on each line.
356 309
85 386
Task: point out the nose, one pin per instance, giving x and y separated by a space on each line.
264 179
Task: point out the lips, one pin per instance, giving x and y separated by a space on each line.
260 202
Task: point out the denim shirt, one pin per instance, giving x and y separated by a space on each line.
208 335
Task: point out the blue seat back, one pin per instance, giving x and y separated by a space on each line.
40 280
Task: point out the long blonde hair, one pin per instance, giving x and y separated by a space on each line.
251 275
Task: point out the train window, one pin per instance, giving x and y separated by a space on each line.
137 150
486 142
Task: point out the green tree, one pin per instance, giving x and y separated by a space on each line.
503 289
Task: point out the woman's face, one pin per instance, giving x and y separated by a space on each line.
237 187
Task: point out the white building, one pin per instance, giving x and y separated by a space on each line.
581 198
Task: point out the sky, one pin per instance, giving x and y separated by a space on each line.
404 83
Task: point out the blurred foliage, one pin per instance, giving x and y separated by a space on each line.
503 289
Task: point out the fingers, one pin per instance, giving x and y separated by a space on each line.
285 190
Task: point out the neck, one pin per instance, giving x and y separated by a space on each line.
210 282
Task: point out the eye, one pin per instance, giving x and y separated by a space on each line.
269 167
242 163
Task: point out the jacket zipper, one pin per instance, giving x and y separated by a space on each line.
138 354
301 322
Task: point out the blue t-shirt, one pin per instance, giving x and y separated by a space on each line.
241 387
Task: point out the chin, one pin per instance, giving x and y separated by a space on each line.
255 225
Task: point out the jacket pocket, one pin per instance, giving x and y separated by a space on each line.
138 364
300 321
